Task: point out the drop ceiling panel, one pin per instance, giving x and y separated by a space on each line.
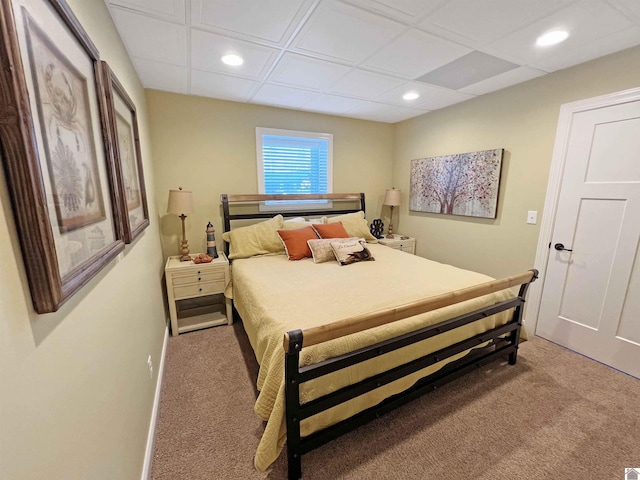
215 85
479 22
208 48
280 96
404 10
152 39
379 112
266 20
472 68
588 51
341 32
167 9
365 85
326 103
586 21
430 96
160 76
504 80
415 53
305 72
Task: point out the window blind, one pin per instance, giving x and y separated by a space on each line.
294 165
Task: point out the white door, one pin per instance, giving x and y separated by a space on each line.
591 297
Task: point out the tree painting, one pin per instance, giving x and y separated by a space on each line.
460 184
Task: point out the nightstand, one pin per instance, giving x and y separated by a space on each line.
408 245
196 294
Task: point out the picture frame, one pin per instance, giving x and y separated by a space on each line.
125 143
54 139
465 184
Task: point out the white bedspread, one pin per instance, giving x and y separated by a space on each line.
274 295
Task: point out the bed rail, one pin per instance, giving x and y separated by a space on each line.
504 340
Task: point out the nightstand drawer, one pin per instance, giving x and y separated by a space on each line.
196 277
201 288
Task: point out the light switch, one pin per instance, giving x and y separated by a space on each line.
532 217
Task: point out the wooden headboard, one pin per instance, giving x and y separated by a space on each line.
229 200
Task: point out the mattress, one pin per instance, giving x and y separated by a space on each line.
274 295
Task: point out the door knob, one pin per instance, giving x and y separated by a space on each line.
560 247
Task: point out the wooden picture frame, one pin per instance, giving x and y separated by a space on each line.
54 146
465 184
125 142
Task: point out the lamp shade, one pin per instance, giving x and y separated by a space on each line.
393 197
180 202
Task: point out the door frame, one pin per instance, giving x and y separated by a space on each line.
556 172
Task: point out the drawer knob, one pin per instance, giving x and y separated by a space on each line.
198 272
200 289
199 278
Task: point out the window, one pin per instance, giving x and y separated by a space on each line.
291 162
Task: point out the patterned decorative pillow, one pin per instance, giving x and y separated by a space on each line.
351 252
321 248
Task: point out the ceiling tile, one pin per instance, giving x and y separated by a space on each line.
166 9
345 33
305 72
586 21
152 39
431 98
332 104
404 10
475 22
379 112
208 48
365 85
583 53
280 96
414 54
504 80
471 68
266 20
214 85
160 76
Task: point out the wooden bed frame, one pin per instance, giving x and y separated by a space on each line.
502 340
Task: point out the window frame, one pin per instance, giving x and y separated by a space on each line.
292 205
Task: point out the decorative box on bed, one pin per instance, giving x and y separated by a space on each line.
362 339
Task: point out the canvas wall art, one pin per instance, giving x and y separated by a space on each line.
459 184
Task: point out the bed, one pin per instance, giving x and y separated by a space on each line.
341 345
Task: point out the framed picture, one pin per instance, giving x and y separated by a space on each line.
61 177
461 184
125 141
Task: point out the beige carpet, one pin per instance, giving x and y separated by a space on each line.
555 415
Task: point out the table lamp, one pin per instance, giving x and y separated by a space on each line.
181 203
392 198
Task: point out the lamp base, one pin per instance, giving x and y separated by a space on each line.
184 250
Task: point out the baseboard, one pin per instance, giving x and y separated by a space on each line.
148 456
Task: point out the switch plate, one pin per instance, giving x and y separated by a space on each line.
532 217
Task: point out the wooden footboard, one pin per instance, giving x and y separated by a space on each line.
503 339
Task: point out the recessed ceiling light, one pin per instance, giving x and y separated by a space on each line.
552 38
411 95
232 60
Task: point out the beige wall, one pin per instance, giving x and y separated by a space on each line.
209 146
522 120
75 392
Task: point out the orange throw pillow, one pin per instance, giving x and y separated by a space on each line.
331 230
295 242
